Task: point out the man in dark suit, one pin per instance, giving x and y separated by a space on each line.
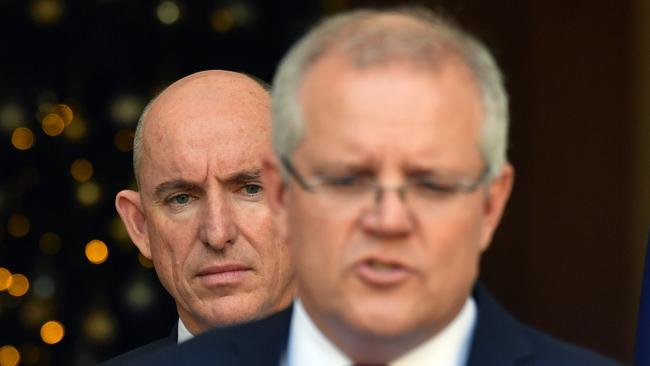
389 179
200 213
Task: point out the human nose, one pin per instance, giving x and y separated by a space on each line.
389 216
218 228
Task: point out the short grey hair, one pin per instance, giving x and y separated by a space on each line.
368 43
137 140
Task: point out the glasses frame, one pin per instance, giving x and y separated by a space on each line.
379 189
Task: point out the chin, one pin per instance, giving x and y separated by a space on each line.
384 321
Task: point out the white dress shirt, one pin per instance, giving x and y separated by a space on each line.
183 333
308 346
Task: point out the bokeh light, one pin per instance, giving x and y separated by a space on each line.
17 285
144 261
18 225
235 15
52 332
168 12
11 116
96 251
124 140
77 130
53 124
88 193
22 138
35 311
222 20
99 326
50 243
139 295
46 12
44 286
126 108
81 170
4 278
65 112
9 356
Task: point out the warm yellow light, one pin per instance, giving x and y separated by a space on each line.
50 243
81 170
124 140
9 356
99 326
144 261
46 12
96 251
22 138
53 124
17 285
18 225
52 332
88 193
4 278
65 113
77 129
222 20
168 12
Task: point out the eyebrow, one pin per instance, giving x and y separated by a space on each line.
176 184
243 176
184 185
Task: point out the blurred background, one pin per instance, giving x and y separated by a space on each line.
75 75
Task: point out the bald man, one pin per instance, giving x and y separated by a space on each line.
200 213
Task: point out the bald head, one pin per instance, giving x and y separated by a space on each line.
200 213
206 93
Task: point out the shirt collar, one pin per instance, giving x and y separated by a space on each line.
309 346
183 333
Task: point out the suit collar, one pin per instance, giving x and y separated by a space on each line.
269 341
498 338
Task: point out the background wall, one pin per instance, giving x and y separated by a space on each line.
567 257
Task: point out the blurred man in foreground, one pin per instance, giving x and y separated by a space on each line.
200 214
391 176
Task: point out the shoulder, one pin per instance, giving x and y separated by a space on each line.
140 352
552 351
259 342
500 339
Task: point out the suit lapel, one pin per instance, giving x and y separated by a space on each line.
498 338
268 343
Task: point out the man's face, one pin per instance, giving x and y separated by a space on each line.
385 268
206 225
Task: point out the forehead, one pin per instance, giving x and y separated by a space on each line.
205 129
396 109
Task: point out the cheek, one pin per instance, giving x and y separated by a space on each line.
453 248
171 243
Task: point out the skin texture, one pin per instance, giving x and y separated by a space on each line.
393 121
200 214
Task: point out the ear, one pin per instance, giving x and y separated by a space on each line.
495 202
129 206
274 188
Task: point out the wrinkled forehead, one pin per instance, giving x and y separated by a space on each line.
188 126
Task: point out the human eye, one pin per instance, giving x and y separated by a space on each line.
252 189
179 199
431 189
348 184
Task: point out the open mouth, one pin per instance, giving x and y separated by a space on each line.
381 272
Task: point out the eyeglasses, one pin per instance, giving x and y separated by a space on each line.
344 195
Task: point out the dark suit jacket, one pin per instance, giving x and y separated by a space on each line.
142 351
498 340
